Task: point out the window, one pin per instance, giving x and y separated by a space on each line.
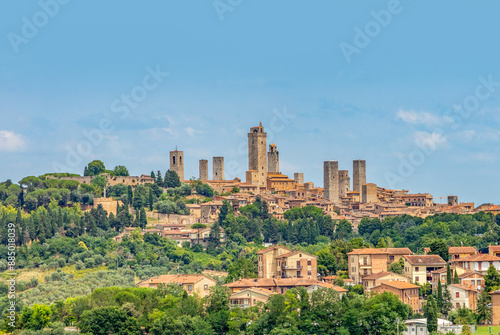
472 282
457 305
173 159
309 272
309 262
190 287
458 295
417 268
417 279
352 260
353 270
391 258
480 266
300 255
205 287
298 274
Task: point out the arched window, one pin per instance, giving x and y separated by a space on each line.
173 159
180 159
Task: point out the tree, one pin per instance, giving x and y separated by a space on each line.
491 279
37 317
225 209
381 243
120 170
159 179
172 179
439 298
431 314
397 267
94 168
108 320
484 312
143 218
455 278
150 202
447 306
214 237
439 247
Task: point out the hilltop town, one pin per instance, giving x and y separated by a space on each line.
257 239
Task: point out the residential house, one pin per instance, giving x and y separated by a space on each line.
463 296
368 261
494 250
472 279
249 297
297 264
281 262
378 278
441 274
277 285
479 262
419 268
193 284
406 292
267 263
461 252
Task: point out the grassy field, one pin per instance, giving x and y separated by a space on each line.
485 330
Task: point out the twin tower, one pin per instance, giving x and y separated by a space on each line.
337 183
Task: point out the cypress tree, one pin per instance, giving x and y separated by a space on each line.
448 275
439 299
144 218
455 278
153 175
150 199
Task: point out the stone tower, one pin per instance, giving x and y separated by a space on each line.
257 155
273 159
452 200
299 178
331 181
359 175
203 169
344 183
218 168
177 163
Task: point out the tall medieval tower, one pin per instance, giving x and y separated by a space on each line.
218 168
273 159
257 153
203 169
344 183
177 163
359 175
331 181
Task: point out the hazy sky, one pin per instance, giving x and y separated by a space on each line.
411 87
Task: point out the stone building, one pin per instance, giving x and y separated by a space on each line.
177 163
273 159
299 178
452 200
257 153
218 168
358 174
344 183
369 193
203 169
331 180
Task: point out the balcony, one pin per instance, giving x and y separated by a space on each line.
291 267
243 306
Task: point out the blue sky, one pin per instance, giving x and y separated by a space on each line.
418 99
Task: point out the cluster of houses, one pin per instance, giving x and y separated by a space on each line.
279 269
369 267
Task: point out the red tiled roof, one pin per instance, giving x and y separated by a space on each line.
479 258
398 284
380 274
466 288
462 250
424 259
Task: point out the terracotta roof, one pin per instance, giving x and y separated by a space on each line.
399 251
466 288
462 250
470 273
445 269
271 248
479 258
177 279
375 251
255 289
494 247
424 259
398 284
380 274
275 282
